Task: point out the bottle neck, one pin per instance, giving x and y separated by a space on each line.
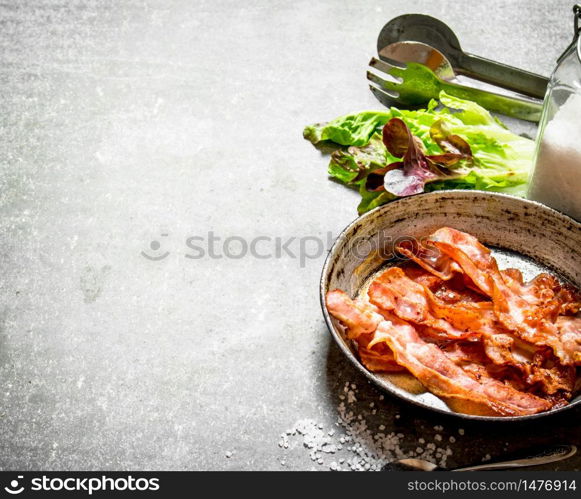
575 45
577 28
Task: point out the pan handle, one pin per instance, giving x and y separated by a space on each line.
529 458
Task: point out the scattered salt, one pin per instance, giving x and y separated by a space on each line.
368 449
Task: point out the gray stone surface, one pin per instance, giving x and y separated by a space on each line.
122 121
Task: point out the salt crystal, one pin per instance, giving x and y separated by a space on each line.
367 450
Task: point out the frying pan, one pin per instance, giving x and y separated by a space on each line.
523 234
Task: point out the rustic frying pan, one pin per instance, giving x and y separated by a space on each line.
523 234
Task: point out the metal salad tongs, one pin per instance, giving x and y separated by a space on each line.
419 56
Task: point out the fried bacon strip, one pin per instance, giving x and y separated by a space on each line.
379 360
444 378
394 292
524 309
480 338
361 321
429 258
430 365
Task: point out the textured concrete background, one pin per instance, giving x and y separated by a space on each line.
122 121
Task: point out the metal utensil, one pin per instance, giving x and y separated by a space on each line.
433 32
410 51
415 84
531 457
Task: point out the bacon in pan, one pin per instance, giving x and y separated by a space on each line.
444 378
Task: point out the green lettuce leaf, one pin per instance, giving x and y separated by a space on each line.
502 160
348 165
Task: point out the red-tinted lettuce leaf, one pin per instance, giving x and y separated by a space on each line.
448 142
396 137
408 181
374 181
446 160
410 176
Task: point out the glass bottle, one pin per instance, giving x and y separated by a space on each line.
556 179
